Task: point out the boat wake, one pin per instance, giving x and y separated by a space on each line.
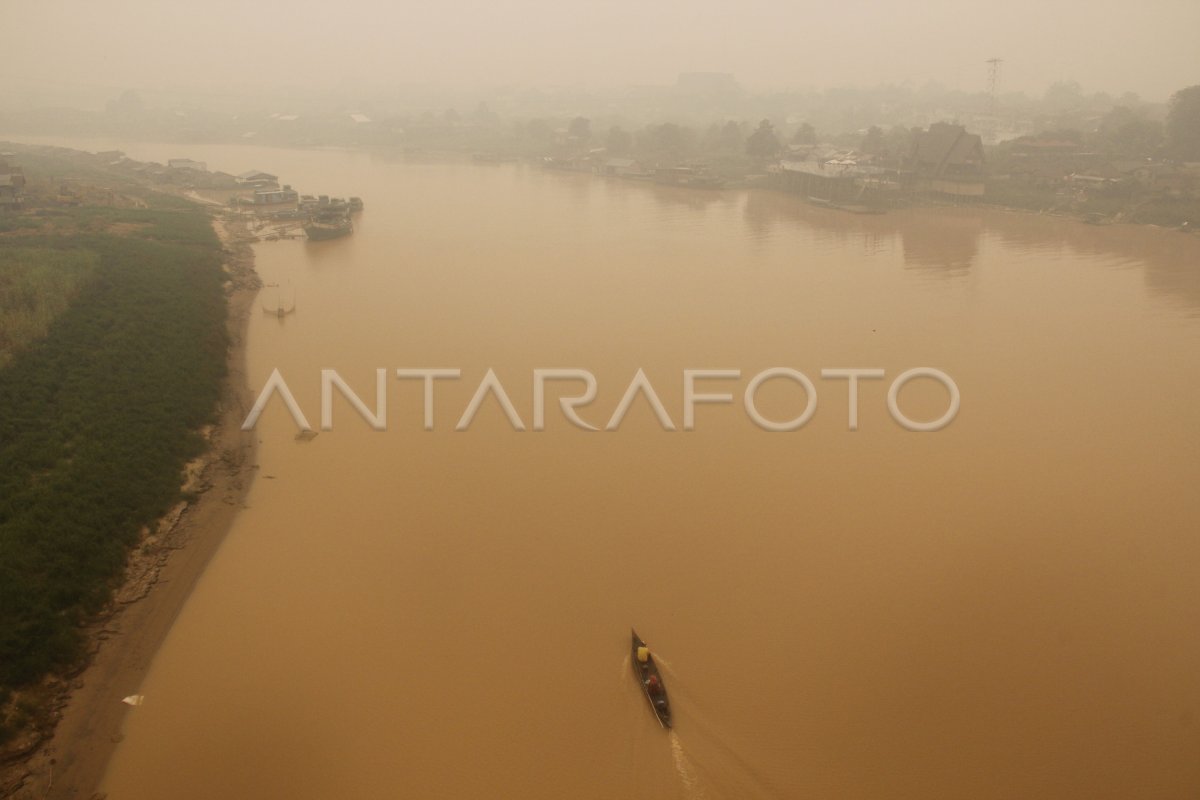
722 765
685 770
721 770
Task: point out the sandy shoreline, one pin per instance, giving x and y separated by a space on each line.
159 578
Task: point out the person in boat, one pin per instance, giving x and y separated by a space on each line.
654 685
643 656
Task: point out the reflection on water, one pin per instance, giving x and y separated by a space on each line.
1163 256
1006 608
944 243
947 241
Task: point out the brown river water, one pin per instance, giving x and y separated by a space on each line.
1007 607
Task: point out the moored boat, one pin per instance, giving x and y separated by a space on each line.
319 229
651 681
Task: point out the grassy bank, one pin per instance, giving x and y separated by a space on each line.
1163 210
113 329
37 285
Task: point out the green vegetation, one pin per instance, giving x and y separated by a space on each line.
1116 204
115 325
763 143
1183 124
15 223
36 285
1171 212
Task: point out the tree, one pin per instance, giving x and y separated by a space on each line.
1183 124
763 143
580 128
482 115
899 142
873 143
667 138
1125 132
730 137
1064 96
1130 100
537 130
618 142
723 138
805 134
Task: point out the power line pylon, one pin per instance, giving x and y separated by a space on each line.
994 83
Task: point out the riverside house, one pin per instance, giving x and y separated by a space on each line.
948 160
257 178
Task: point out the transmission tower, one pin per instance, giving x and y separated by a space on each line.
993 83
993 121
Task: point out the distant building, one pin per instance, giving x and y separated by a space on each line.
948 160
187 163
622 167
841 176
256 178
268 197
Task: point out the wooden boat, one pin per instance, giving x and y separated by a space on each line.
649 677
329 225
319 231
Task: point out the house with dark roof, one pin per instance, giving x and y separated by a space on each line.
267 197
256 178
948 160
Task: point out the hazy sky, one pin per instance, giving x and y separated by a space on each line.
1150 47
